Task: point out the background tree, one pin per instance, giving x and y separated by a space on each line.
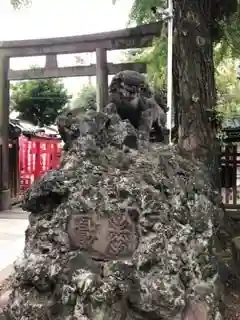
228 89
86 100
199 26
17 4
39 101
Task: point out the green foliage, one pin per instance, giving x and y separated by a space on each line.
155 59
39 101
226 20
228 87
141 10
17 4
229 44
86 100
232 35
156 56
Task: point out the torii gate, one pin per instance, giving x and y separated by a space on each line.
137 37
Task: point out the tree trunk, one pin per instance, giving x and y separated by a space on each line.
197 135
194 63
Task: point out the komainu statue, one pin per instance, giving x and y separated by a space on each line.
122 230
68 129
131 98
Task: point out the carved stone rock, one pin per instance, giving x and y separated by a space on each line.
120 233
103 238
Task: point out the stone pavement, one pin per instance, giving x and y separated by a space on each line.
13 224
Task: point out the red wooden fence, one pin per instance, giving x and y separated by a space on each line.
36 156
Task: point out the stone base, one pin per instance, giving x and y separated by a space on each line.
119 234
5 200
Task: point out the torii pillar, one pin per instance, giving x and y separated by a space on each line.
102 78
5 193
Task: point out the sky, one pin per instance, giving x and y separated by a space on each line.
56 18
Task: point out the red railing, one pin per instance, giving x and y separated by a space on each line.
36 156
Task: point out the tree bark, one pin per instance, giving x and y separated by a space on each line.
194 63
193 49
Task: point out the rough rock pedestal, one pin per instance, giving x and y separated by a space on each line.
121 231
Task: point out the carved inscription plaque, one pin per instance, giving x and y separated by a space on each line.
104 238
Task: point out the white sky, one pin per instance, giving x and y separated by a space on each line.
56 18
